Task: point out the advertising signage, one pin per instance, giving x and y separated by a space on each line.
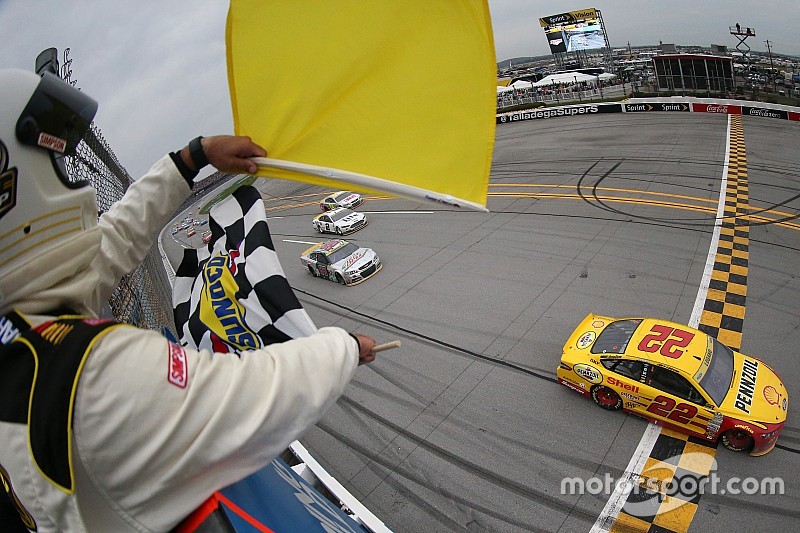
556 40
764 112
725 109
570 17
656 106
555 112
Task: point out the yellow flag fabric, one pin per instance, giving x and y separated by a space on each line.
399 90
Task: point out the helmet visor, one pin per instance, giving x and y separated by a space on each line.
56 117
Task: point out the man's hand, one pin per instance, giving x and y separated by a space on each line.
365 346
228 153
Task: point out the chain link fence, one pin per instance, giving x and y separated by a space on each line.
143 297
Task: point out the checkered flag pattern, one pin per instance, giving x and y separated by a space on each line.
723 313
232 295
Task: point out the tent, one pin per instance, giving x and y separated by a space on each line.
572 77
521 84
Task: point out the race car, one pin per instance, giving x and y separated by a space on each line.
341 261
340 221
678 377
341 199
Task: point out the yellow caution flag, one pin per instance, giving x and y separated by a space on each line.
391 96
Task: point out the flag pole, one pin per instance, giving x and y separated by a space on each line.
370 182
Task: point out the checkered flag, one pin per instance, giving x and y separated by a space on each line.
233 295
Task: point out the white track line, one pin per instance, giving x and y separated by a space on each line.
300 242
629 479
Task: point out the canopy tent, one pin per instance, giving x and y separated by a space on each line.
501 89
572 77
521 84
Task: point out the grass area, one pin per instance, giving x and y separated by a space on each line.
245 180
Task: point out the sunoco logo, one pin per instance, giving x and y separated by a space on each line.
219 308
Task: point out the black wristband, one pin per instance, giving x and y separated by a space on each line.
198 155
357 343
188 174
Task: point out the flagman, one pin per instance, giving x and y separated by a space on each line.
104 426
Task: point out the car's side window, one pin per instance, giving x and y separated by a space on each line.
629 369
326 219
675 384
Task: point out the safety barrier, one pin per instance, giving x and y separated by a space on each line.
669 105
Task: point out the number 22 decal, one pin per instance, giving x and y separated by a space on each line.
666 340
665 407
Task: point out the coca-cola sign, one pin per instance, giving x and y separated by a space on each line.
765 112
724 109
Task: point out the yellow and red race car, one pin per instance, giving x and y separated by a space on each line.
678 377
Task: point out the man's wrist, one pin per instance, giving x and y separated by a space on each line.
197 154
188 173
358 343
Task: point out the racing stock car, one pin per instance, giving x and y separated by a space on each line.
340 221
678 377
341 261
341 199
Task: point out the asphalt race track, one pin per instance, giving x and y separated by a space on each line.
464 428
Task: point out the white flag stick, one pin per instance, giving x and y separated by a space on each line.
370 182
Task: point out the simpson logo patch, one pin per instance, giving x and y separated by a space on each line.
177 366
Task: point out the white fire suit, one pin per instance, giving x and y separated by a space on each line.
151 440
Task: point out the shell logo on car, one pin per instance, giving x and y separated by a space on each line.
678 377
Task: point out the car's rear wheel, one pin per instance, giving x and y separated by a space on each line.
737 440
606 398
340 279
311 269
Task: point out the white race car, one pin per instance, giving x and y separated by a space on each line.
341 199
340 221
341 261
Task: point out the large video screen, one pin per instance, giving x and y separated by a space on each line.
574 31
586 35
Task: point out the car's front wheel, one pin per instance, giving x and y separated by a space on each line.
311 269
606 398
338 230
737 440
340 279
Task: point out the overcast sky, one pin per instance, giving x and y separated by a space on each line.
158 70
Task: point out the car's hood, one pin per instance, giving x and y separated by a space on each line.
356 260
349 219
756 392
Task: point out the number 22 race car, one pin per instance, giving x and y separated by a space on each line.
678 377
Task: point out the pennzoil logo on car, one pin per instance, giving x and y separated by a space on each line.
747 385
585 340
588 372
8 183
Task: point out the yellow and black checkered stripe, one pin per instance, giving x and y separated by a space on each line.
679 465
723 313
670 485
